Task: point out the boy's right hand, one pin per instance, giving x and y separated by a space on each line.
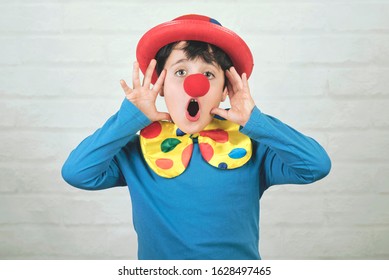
144 97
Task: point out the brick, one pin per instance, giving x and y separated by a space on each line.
42 178
10 51
379 244
31 18
326 243
314 113
337 49
64 82
22 209
313 16
318 243
359 146
363 82
264 17
69 49
70 113
122 243
28 146
267 50
54 242
95 209
380 183
356 210
121 51
361 16
87 209
353 178
280 208
288 83
107 17
54 114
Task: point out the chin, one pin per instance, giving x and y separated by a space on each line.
190 127
191 130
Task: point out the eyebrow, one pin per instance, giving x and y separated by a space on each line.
179 61
185 59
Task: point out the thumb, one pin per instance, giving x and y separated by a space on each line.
163 117
220 112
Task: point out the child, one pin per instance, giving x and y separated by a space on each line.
195 174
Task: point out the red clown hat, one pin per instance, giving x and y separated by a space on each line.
196 28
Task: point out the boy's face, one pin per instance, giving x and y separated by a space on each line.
179 67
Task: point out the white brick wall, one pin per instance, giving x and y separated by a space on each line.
321 66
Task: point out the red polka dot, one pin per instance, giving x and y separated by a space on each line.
186 155
151 131
217 135
164 163
206 151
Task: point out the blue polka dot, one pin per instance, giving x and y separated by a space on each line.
223 165
179 132
219 118
237 153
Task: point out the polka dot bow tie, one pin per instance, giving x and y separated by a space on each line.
167 150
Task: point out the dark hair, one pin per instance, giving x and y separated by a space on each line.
195 49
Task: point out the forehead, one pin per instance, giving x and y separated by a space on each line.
178 55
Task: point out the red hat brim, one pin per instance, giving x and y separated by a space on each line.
196 30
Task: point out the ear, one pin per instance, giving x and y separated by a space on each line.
224 94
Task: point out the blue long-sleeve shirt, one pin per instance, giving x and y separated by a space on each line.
206 212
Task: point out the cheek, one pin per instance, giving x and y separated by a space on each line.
215 96
173 104
174 98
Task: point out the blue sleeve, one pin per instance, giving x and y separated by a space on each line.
92 165
288 157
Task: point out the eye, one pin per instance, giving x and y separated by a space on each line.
209 75
180 73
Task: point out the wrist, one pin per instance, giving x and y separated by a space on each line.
247 116
134 114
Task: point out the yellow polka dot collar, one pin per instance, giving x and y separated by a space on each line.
168 150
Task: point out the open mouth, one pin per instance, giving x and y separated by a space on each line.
193 110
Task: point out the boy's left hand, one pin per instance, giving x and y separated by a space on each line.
241 101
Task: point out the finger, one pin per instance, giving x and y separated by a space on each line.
149 73
230 82
127 90
159 83
237 78
135 75
220 112
234 79
245 83
230 90
161 116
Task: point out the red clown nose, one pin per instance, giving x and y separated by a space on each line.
196 85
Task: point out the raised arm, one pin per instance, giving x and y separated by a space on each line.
93 164
288 156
